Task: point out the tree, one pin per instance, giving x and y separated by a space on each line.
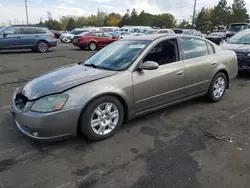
113 19
239 11
71 24
221 13
125 20
203 20
133 17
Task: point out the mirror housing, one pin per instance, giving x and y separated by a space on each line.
149 65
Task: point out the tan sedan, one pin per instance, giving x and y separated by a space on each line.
126 79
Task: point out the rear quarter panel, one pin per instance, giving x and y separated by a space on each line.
227 60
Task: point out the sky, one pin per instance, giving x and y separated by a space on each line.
13 11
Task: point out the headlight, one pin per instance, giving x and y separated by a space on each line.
50 103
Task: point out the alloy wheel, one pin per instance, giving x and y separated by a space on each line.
105 118
43 47
219 87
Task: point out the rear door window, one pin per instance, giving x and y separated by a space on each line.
33 31
193 48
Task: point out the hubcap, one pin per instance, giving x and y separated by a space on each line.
92 46
219 87
43 47
104 118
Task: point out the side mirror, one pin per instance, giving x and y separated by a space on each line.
149 65
5 34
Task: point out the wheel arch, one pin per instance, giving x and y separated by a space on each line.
118 96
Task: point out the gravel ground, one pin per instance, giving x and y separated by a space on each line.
195 144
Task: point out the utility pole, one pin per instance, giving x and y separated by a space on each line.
194 12
27 16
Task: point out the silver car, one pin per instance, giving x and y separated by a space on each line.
126 79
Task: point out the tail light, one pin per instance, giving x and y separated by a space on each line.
52 36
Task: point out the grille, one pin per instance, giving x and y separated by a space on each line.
20 101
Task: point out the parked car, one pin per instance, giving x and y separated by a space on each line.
124 80
26 37
233 28
240 43
159 31
94 40
216 37
185 31
68 37
57 33
109 29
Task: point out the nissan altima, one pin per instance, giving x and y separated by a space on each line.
126 79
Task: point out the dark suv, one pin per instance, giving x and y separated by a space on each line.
27 37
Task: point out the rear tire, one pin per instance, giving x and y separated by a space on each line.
217 87
92 46
102 118
42 47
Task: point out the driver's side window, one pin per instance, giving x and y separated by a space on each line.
163 53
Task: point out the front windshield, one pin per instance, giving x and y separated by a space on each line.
3 29
118 55
237 28
240 38
76 32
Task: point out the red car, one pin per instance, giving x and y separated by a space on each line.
93 40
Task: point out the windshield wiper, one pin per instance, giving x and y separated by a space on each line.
97 66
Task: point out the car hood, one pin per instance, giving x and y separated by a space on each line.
62 79
236 47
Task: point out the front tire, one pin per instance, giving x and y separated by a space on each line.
102 118
217 87
42 47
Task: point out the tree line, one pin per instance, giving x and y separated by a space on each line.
204 20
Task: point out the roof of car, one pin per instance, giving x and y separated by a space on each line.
156 36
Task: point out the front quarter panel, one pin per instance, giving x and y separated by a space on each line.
119 84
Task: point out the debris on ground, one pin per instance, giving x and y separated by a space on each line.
209 135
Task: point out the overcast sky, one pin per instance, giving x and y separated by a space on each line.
14 11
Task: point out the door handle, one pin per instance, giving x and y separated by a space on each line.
214 63
180 73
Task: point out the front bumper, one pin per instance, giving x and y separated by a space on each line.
52 126
244 64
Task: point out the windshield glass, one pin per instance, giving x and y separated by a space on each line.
3 29
237 28
118 55
76 32
240 38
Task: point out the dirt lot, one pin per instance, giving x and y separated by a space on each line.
195 144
